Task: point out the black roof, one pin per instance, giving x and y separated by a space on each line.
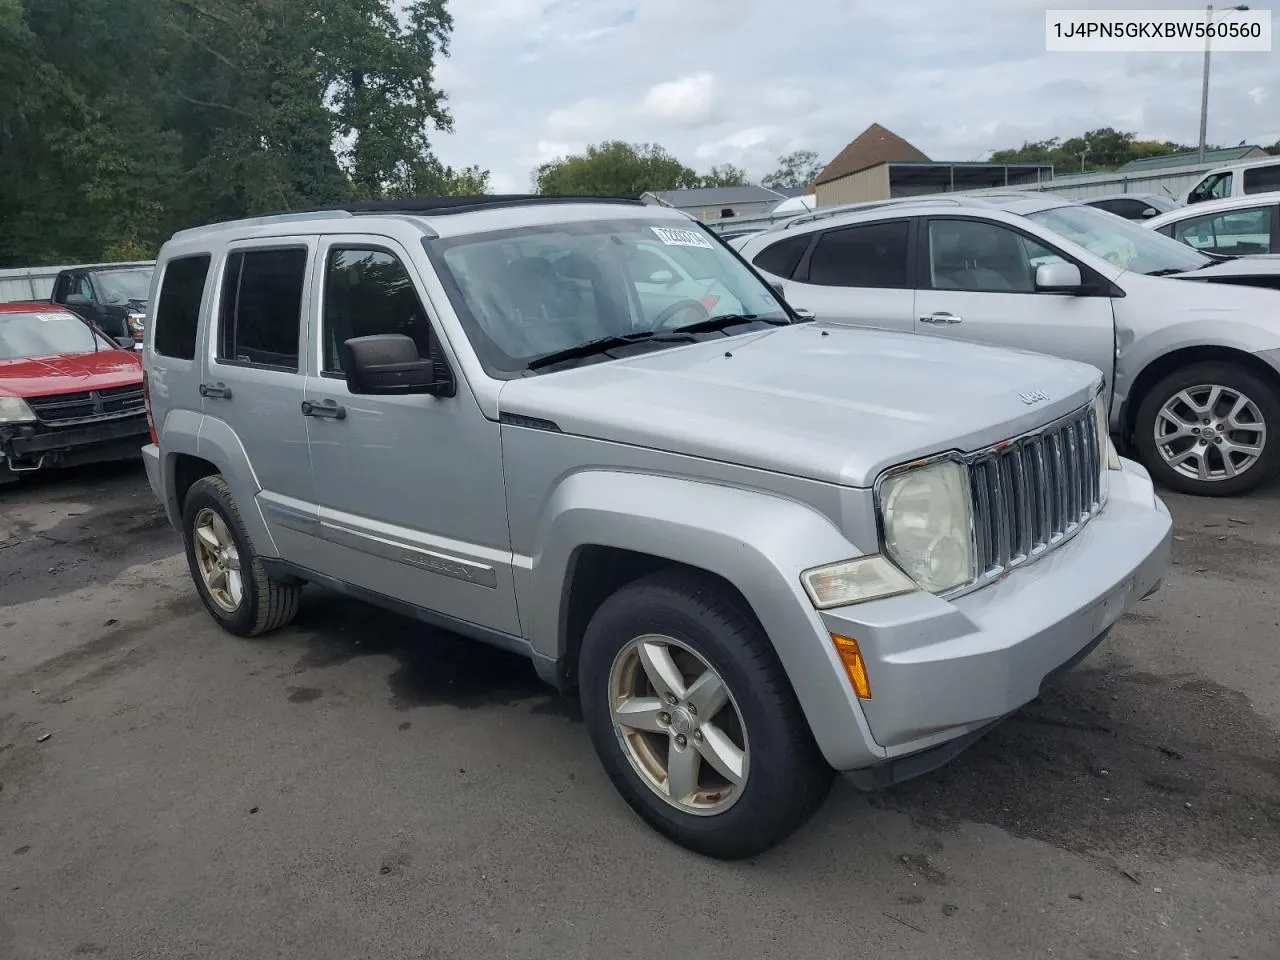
443 205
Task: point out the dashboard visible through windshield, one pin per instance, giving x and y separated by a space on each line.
1118 241
535 292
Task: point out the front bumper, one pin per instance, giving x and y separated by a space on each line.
26 448
943 671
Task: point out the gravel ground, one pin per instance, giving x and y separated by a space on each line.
359 785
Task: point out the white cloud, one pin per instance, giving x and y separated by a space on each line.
587 118
544 151
788 99
689 102
734 81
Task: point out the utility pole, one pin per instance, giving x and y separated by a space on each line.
1204 88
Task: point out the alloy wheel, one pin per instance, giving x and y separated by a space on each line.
678 725
218 560
1210 432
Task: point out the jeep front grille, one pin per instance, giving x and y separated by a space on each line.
1035 492
67 408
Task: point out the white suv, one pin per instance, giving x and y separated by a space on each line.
1193 368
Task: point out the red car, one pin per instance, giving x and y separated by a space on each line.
69 394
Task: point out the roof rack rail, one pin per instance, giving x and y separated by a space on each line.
409 205
446 205
828 212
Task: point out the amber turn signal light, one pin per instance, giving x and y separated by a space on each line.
854 666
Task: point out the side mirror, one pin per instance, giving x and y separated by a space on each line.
806 316
125 343
1058 277
1148 213
389 365
77 300
779 288
662 276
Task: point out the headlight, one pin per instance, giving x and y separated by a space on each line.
854 581
1107 455
928 525
15 410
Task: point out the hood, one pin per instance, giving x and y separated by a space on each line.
69 373
1221 290
817 400
1262 268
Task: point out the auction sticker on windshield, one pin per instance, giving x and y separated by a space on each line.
682 238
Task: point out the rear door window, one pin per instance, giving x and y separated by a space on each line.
176 317
866 255
261 315
1262 179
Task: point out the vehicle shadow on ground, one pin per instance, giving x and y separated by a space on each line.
1114 761
1110 761
436 667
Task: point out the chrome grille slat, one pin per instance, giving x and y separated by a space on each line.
1031 494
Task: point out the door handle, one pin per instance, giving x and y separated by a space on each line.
216 391
941 317
325 409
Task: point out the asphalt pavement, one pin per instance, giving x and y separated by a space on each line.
358 785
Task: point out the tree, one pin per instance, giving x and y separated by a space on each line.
1094 150
795 170
1274 149
237 107
725 175
614 168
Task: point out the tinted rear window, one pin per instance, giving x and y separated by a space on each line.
868 255
176 317
782 258
1262 179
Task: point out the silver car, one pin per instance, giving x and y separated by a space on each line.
1192 368
760 549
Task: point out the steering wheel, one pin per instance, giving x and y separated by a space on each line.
678 308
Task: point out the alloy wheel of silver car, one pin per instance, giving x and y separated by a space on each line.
218 560
1210 432
678 725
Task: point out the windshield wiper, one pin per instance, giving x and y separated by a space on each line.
1166 271
712 324
601 345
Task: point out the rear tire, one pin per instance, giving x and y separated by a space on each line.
1215 462
229 575
752 728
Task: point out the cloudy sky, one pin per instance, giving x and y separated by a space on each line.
743 81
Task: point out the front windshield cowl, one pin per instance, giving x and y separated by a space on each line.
527 294
1120 242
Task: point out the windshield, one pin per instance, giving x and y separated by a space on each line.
121 286
46 335
1127 245
533 292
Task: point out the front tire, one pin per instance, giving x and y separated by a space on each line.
694 719
1211 430
229 576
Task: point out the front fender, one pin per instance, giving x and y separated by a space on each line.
758 542
1138 354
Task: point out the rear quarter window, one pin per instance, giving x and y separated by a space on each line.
782 258
176 318
1262 179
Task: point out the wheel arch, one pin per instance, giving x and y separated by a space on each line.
1168 363
602 529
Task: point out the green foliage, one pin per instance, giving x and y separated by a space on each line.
123 120
614 168
795 170
1095 150
725 175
